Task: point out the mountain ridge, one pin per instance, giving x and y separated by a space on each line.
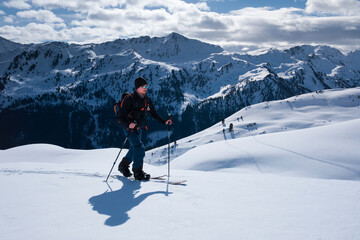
198 83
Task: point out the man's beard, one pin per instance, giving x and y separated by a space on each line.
142 95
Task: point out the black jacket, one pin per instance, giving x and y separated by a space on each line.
133 108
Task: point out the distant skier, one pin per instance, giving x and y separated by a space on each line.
231 127
132 117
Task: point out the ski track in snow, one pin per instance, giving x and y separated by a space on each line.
250 156
353 170
20 172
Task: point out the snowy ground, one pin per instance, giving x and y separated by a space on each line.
299 180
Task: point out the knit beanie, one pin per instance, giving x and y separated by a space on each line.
140 82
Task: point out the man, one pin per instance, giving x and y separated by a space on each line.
132 117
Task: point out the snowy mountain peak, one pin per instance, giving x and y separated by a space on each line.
304 50
173 47
176 36
310 51
326 50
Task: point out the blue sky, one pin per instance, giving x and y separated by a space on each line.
243 25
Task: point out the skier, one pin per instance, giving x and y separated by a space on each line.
132 119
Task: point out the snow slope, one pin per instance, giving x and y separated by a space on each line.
311 110
299 184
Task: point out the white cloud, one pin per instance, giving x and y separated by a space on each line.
202 6
18 4
9 19
2 12
34 32
40 15
247 28
333 7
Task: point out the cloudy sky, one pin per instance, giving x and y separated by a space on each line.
235 25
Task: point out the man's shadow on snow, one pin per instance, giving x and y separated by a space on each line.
118 203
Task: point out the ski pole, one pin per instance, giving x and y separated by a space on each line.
118 156
169 117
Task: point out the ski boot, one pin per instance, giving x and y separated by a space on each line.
124 168
140 175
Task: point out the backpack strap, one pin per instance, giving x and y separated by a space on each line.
126 94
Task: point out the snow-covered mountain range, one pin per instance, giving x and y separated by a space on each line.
63 93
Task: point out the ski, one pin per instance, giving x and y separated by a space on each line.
158 179
180 182
164 179
177 182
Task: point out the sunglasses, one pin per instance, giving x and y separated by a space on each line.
145 86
